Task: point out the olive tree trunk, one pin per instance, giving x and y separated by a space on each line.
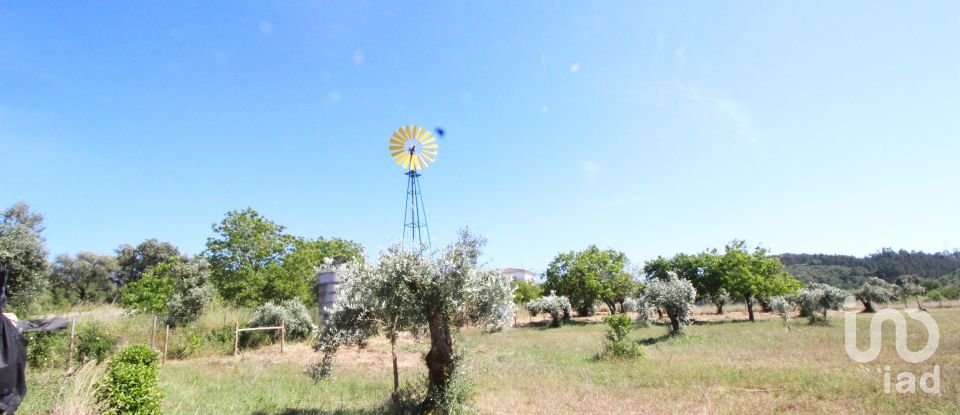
440 358
674 324
396 374
750 308
612 305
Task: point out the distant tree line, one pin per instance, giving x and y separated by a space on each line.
595 277
249 261
847 271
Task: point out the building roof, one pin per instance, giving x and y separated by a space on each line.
516 270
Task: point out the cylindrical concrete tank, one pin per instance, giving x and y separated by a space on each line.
327 289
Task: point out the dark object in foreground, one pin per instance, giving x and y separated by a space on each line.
13 358
13 351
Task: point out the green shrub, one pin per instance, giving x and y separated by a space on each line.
222 338
187 342
137 354
292 312
130 384
619 326
253 340
46 349
93 343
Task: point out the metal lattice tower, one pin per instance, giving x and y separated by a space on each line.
414 215
414 148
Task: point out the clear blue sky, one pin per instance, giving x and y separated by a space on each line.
649 127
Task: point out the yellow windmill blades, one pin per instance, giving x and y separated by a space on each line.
413 147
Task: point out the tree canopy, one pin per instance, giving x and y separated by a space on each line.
590 276
753 276
85 278
410 291
23 254
135 260
245 257
253 260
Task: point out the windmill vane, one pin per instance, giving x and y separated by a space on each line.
414 148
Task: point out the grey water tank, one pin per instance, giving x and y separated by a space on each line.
327 289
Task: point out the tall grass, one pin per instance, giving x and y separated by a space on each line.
721 366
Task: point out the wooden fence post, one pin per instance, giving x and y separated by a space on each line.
283 334
166 336
236 337
153 334
73 333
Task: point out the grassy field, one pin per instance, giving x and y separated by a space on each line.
721 366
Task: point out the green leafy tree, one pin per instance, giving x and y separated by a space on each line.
525 292
753 276
246 258
85 278
177 289
23 255
135 260
148 294
590 276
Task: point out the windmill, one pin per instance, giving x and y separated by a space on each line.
414 148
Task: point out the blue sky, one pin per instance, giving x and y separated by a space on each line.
649 127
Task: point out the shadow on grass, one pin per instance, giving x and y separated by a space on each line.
650 341
299 411
720 322
546 324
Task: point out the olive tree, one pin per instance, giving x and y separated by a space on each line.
907 286
782 307
135 260
413 292
22 254
817 299
874 291
719 298
676 296
87 277
641 307
557 306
